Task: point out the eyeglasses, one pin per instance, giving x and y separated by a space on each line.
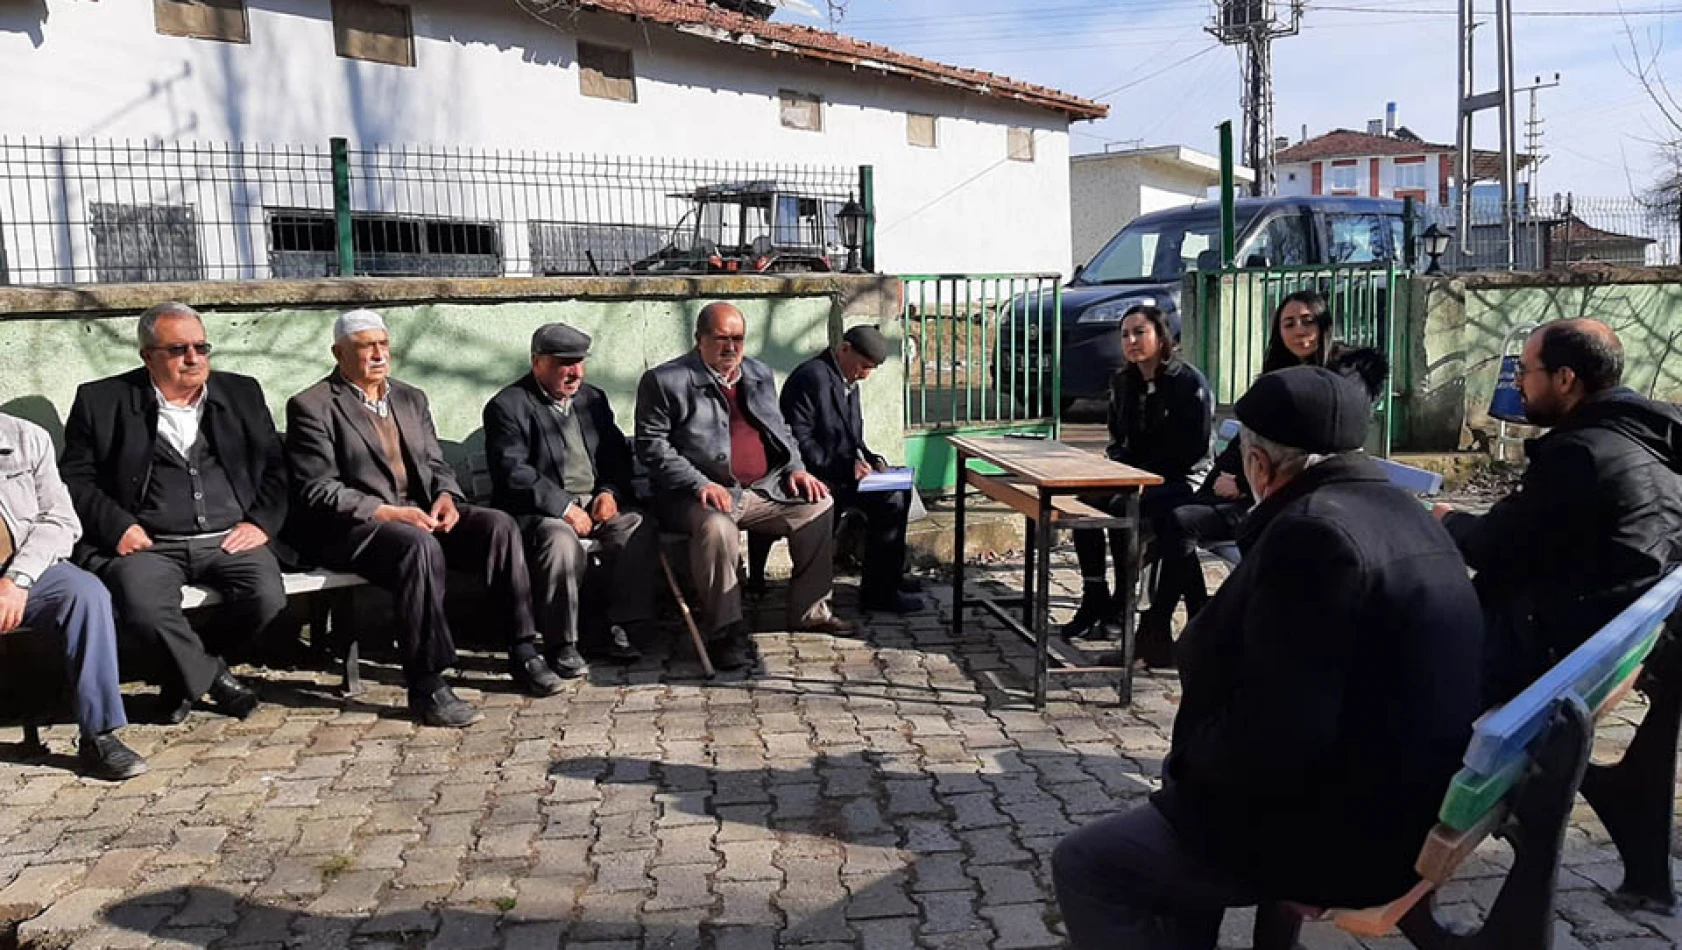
1522 370
178 350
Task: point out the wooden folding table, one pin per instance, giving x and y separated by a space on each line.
1042 479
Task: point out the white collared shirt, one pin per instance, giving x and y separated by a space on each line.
179 425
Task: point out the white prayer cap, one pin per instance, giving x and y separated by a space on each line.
355 322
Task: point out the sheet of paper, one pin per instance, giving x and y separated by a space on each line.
894 479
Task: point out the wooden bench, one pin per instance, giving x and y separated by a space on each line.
1523 769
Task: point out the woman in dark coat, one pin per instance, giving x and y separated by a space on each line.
1160 416
1301 335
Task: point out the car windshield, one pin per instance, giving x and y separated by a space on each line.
1161 250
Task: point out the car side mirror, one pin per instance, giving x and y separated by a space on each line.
1079 270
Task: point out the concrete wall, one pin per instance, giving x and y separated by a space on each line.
458 340
1459 326
1108 191
489 75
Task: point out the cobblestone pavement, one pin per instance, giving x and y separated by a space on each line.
891 791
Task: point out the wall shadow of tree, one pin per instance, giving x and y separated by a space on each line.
852 800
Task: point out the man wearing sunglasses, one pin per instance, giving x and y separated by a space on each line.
178 477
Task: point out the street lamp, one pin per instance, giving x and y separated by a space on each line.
1436 242
851 220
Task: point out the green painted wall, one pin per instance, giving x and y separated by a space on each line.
459 351
1460 326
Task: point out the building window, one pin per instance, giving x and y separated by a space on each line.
921 131
135 243
801 110
605 73
374 31
1410 176
1344 178
203 19
1020 145
303 243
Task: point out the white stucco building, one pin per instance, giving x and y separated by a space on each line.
971 169
1109 189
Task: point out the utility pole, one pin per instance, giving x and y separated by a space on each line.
1471 103
1254 25
1533 134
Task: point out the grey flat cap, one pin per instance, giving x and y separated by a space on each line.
867 342
560 340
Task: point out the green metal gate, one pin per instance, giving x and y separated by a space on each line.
1233 308
982 356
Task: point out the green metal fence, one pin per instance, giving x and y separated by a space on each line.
1234 308
982 355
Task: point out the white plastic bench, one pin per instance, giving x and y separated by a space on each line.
303 582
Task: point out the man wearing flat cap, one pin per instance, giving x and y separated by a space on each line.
562 467
1328 690
821 403
375 496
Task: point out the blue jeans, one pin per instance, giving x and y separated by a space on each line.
74 605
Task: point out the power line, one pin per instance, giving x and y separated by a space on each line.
1516 13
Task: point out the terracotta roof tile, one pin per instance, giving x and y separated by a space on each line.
696 17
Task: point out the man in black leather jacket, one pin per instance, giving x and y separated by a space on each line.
1597 518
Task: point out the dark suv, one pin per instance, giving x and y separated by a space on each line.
1144 263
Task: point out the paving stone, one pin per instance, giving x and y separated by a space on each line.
36 887
75 913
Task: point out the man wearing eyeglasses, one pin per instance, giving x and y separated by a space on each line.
178 477
722 458
1595 522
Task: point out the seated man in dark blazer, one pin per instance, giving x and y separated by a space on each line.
178 478
562 467
375 496
821 403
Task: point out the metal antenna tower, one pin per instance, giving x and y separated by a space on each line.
1501 100
1254 25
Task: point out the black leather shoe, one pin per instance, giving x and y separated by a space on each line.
105 757
1094 607
729 653
231 697
536 678
173 707
568 662
897 602
619 648
443 708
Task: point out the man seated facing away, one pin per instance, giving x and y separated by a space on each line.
1597 518
721 458
562 467
179 478
41 590
1329 689
821 403
376 497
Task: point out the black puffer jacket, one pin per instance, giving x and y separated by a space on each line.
1329 691
1596 520
1163 425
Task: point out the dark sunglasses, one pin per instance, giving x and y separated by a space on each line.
178 350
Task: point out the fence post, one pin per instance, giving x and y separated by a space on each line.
1228 221
867 197
341 205
1409 255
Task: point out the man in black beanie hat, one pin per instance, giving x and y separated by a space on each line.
820 400
1328 690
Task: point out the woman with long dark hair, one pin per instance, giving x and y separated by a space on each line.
1301 334
1160 416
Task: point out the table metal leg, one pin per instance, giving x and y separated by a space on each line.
1042 608
1028 538
1129 599
958 549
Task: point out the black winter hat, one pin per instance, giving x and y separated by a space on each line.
1308 408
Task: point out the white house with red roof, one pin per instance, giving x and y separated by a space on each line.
971 168
1374 164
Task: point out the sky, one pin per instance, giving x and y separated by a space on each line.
1167 82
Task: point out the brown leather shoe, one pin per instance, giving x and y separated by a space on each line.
832 625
